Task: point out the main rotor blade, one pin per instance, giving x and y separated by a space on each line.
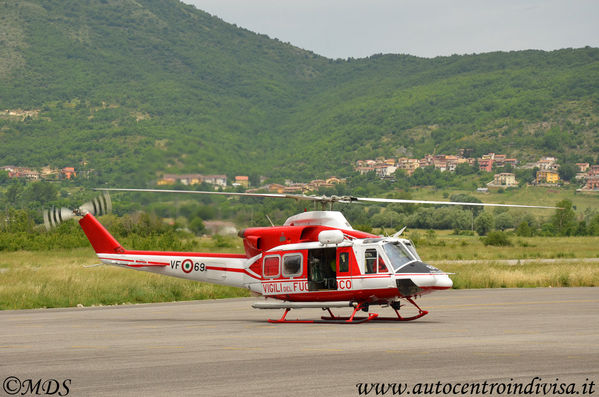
326 199
403 201
273 195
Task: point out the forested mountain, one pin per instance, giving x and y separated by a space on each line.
139 87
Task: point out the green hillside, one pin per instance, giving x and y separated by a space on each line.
136 88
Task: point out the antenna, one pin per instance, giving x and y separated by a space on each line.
267 217
400 232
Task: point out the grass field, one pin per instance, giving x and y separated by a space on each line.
58 278
447 246
528 195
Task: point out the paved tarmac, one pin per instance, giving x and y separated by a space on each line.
225 348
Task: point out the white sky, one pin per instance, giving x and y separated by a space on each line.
426 28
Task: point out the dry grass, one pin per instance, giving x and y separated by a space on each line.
523 276
450 247
58 279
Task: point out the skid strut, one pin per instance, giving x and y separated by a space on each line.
400 318
377 318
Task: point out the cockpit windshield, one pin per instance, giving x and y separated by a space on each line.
398 255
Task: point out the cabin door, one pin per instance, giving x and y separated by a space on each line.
322 269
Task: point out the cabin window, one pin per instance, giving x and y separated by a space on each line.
343 262
370 259
292 265
272 266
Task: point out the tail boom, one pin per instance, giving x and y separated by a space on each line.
216 268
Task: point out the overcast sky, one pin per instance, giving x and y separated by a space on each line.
426 28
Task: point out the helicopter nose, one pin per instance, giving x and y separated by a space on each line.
443 281
436 281
415 284
418 276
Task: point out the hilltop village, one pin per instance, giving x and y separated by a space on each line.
547 168
546 172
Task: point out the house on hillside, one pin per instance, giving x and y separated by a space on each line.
167 179
504 179
216 180
582 167
242 180
193 179
592 183
49 173
364 169
67 173
276 188
547 176
547 163
334 180
485 165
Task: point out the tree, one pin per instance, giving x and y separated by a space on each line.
593 227
40 192
564 219
465 169
484 223
567 171
504 221
388 218
466 198
3 177
13 193
197 226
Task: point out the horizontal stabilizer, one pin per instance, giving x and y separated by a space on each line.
132 262
147 264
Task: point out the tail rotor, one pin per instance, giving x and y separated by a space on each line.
100 205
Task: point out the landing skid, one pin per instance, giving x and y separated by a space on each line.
329 320
332 319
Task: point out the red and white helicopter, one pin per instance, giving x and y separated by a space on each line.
315 260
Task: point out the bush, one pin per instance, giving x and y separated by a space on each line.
497 238
524 230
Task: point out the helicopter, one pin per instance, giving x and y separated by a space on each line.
316 259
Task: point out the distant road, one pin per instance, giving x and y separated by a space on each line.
518 261
225 348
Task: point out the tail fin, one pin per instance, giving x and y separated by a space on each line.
99 237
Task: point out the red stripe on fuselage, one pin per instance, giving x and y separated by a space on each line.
190 254
233 270
364 295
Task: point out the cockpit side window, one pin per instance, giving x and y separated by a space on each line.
374 262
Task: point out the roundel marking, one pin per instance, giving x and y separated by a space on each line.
187 265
